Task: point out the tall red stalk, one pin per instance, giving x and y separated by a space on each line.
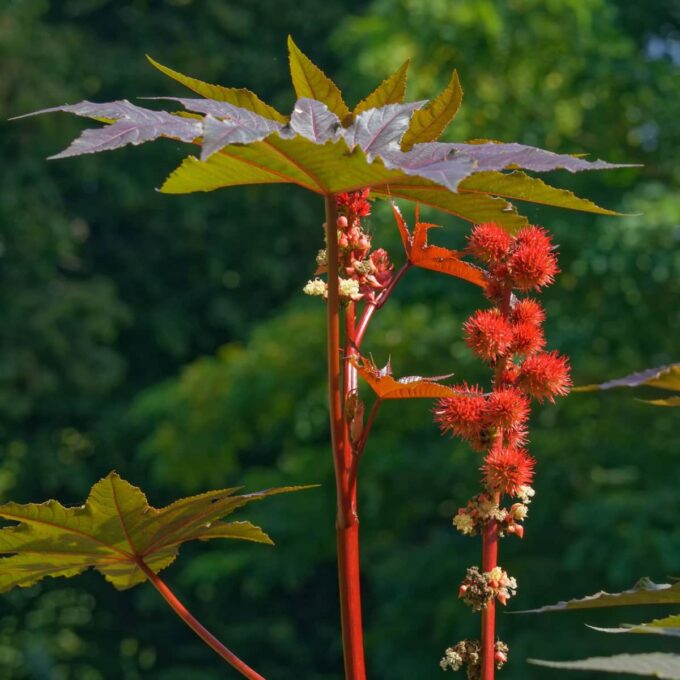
490 540
489 562
347 521
196 626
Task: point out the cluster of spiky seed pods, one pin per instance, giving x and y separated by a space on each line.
509 338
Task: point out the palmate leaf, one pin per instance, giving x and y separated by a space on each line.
657 665
114 532
385 386
644 592
325 149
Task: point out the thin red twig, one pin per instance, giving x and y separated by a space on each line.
196 625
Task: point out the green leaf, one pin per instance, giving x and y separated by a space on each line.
391 91
662 378
521 187
473 208
310 81
237 96
645 591
670 401
670 626
324 169
665 666
114 532
428 123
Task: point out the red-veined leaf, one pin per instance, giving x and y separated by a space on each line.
412 387
311 82
390 91
436 258
114 531
428 123
233 95
133 125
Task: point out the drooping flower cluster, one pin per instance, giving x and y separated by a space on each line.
468 653
478 589
364 273
509 338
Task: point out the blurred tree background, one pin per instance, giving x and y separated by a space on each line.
166 337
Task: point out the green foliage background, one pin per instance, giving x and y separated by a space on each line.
166 336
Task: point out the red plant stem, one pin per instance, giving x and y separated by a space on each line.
489 562
347 521
371 308
490 544
196 626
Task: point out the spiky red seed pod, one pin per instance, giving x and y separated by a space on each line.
527 310
489 242
527 339
533 263
545 375
488 333
464 414
506 469
515 436
507 407
519 531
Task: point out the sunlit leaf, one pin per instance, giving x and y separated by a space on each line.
311 82
521 187
490 156
474 208
662 377
413 387
658 665
313 120
133 125
114 532
669 625
378 131
644 592
436 258
428 123
237 96
391 91
670 401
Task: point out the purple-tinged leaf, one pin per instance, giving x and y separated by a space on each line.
378 131
491 156
220 133
434 161
644 592
662 377
223 110
314 121
657 665
134 125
